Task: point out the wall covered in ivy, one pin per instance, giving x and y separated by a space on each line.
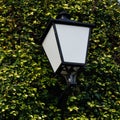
28 88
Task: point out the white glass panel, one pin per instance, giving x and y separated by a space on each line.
73 42
51 49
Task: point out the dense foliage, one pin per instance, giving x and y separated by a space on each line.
28 89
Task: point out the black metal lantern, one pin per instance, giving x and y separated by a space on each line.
65 43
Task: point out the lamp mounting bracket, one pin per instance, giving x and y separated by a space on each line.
70 74
71 78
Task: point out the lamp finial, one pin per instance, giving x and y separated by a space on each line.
63 15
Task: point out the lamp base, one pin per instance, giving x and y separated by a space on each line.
71 78
70 74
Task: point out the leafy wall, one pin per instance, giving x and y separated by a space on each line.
28 89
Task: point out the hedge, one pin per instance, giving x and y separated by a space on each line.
28 88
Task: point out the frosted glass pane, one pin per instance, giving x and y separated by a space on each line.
51 49
73 42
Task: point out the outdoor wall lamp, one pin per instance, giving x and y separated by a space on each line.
65 43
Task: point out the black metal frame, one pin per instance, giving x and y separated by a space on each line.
65 22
